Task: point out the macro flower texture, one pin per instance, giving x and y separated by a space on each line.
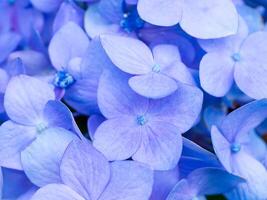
133 99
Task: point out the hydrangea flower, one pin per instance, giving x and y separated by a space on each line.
147 130
203 19
31 113
156 73
231 141
236 58
87 175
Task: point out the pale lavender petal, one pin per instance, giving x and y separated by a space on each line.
34 62
115 97
207 19
41 160
95 24
216 73
161 146
25 99
129 181
230 43
161 13
14 139
8 43
46 5
166 54
69 42
130 55
164 181
253 171
85 169
153 85
178 71
68 12
180 109
118 138
56 192
251 71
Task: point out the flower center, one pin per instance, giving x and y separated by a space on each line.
235 148
131 21
63 79
236 57
141 120
40 128
156 68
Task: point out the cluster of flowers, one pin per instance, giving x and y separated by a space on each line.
173 92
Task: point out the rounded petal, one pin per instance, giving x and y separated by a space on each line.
153 85
69 42
14 139
119 138
251 71
129 181
207 19
161 13
161 146
130 55
253 172
25 99
166 54
84 169
46 5
56 192
230 43
8 43
115 98
216 73
41 160
95 24
180 109
178 71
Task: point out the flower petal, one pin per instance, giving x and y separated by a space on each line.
118 138
129 180
56 192
84 169
180 109
153 85
206 19
130 55
14 139
115 98
161 13
251 71
25 99
69 42
41 159
161 146
216 73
